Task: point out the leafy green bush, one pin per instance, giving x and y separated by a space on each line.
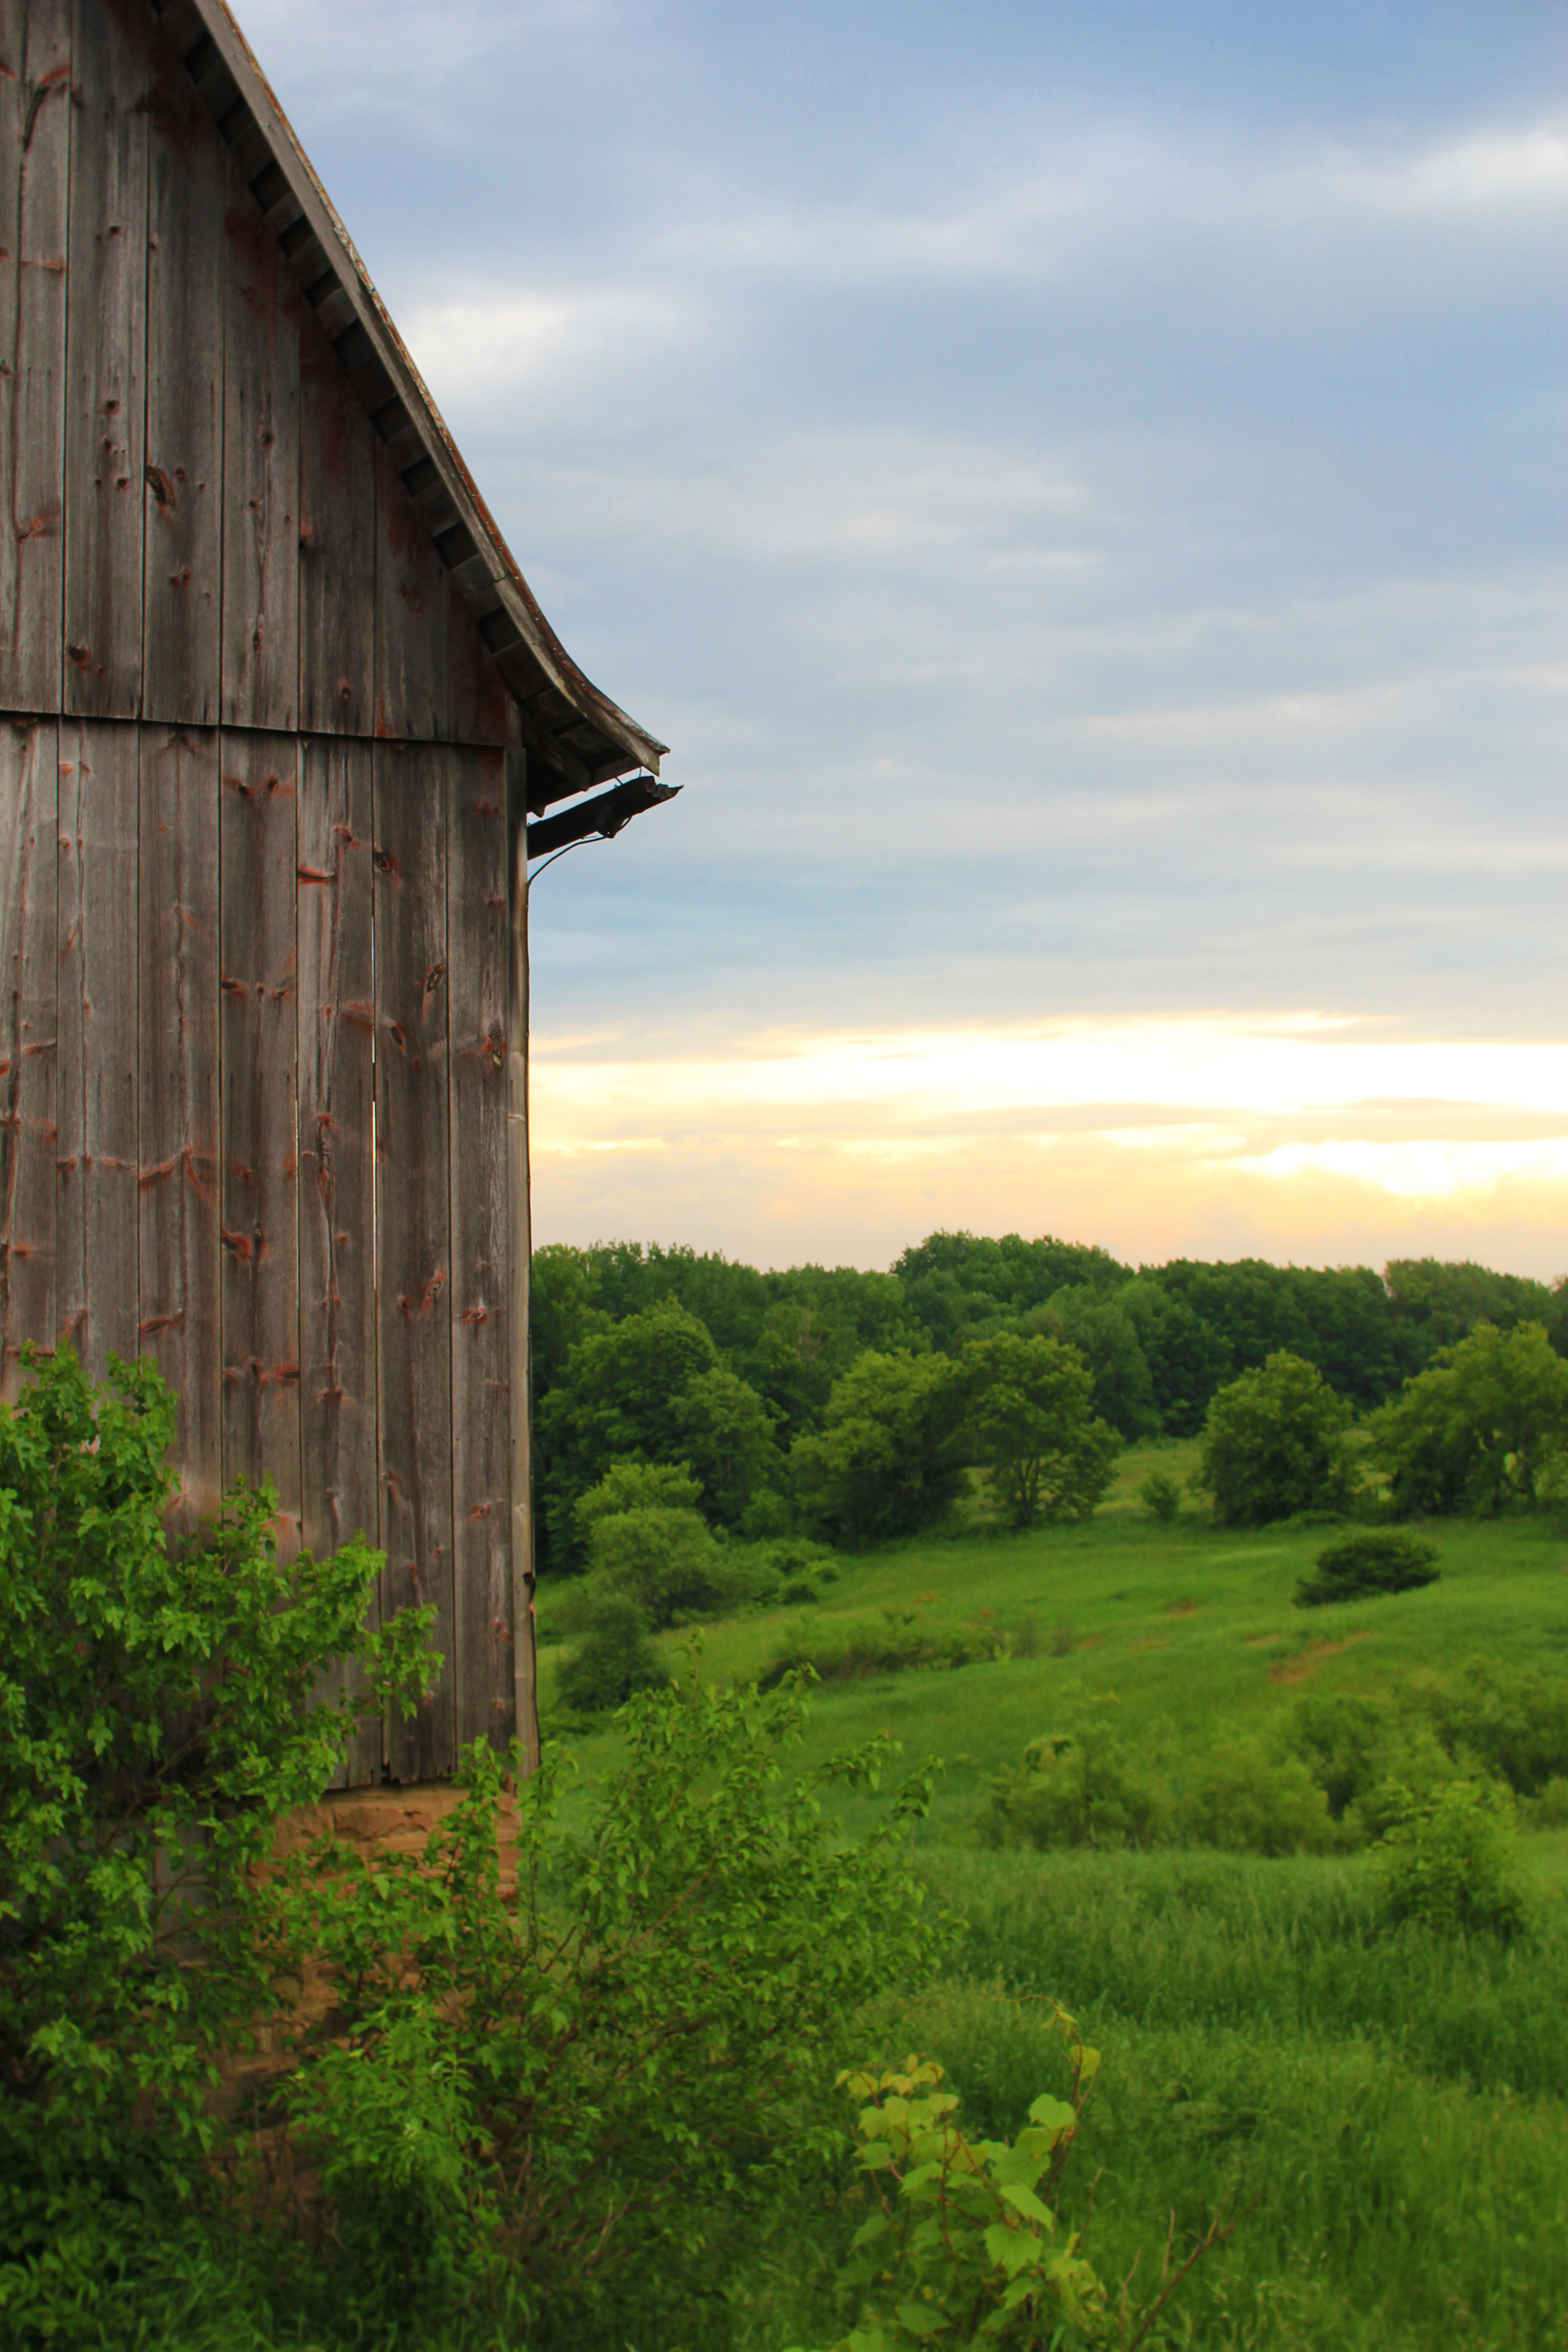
1549 1810
902 1643
1365 1755
1161 1495
1079 1788
965 2248
636 1486
533 2112
614 1656
1450 1863
554 2109
1274 1444
1511 1721
155 1716
665 1561
1246 1802
1371 1560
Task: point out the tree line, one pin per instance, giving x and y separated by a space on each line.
843 1400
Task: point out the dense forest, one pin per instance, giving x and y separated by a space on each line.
678 1355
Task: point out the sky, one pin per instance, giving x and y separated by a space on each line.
1079 487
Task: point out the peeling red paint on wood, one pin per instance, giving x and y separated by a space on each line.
97 1114
35 140
187 180
478 960
340 1488
29 824
414 1218
259 1289
179 1128
106 349
260 615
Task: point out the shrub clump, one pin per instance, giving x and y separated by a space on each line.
1161 1495
1367 1561
1075 1788
1450 1863
1246 1802
615 1657
156 1715
902 1644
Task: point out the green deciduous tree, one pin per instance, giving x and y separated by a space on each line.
1106 1337
1480 1428
1187 1359
885 1462
649 1388
1027 1416
1274 1444
727 1435
665 1561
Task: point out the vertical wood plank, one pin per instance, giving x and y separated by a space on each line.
476 696
35 159
187 186
29 824
178 1277
411 591
260 472
337 1176
96 1202
337 545
414 1232
519 1246
105 340
479 961
259 1230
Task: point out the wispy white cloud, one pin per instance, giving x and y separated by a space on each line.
1483 172
488 343
1425 1168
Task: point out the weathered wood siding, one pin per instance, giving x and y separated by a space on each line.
258 1002
204 523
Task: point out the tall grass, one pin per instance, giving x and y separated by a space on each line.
1388 2211
1288 1949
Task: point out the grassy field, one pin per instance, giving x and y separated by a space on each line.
1397 2103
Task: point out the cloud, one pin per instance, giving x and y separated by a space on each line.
485 345
1423 1169
1481 172
1286 1135
864 497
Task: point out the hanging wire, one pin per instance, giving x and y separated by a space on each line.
587 839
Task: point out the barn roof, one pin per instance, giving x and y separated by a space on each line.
577 738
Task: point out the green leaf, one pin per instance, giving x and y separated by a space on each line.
1053 2114
920 2318
1011 2250
1023 2200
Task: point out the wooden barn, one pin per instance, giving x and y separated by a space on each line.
279 706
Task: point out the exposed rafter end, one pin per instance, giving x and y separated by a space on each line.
604 814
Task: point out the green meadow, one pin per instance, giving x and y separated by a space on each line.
1389 2106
